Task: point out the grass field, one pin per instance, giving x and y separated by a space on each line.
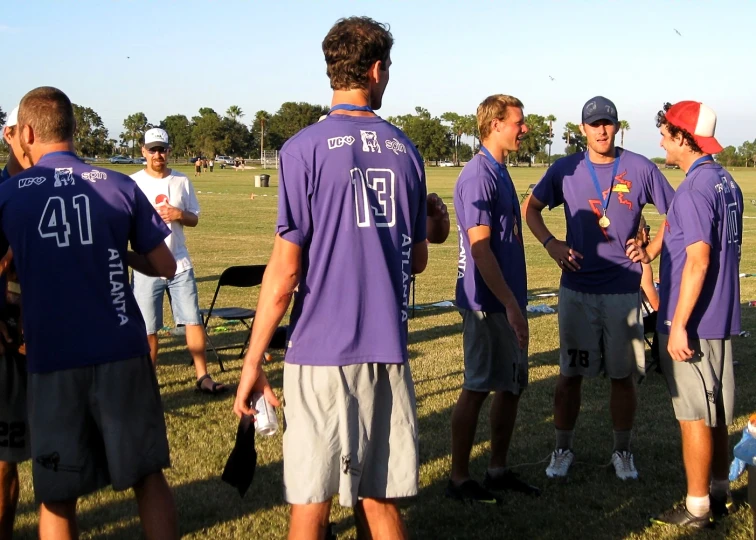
592 503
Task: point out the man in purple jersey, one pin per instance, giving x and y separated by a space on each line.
491 297
95 415
699 306
351 230
603 192
14 441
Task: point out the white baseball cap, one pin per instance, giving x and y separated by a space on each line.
156 137
12 119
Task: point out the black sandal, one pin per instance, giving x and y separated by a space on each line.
215 388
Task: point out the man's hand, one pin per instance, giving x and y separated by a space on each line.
678 346
636 252
565 257
438 219
169 213
519 324
253 380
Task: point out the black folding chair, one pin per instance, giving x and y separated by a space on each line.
233 276
527 192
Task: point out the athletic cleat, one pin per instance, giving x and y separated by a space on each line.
624 465
720 507
471 491
680 517
561 459
509 481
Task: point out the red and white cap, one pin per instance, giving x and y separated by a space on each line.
697 119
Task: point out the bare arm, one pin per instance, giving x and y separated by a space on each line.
693 277
438 219
488 266
565 257
157 263
279 282
647 286
419 257
171 213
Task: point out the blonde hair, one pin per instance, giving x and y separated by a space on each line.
493 108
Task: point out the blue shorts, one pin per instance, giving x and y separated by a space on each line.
182 288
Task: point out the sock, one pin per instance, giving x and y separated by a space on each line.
622 441
496 472
564 438
698 506
719 488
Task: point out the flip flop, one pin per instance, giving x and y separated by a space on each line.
214 389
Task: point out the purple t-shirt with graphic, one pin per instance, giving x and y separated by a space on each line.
482 197
69 225
708 207
604 268
352 195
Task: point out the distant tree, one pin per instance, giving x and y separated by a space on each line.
234 112
575 140
456 125
746 152
464 152
428 134
236 139
261 138
91 136
206 132
179 130
470 125
551 119
624 126
728 157
535 140
3 116
135 125
292 118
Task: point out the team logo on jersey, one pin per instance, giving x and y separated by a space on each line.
94 175
338 142
36 181
370 141
64 177
161 199
395 146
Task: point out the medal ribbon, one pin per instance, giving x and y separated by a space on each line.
350 107
594 177
700 161
504 178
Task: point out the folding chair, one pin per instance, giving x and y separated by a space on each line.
233 276
527 192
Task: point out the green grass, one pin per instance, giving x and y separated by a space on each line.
234 229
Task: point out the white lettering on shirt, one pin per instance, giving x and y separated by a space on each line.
462 264
117 294
406 272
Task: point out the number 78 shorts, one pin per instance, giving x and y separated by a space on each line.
600 332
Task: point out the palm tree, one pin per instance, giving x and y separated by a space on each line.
624 126
551 119
234 112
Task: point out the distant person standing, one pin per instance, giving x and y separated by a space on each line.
204 164
95 413
173 196
211 164
198 167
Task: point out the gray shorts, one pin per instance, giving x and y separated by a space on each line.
95 426
350 431
494 361
600 332
14 429
702 388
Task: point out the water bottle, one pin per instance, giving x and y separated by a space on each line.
745 450
266 422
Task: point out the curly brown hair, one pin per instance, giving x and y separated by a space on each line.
351 47
661 120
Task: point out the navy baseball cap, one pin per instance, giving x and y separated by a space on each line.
599 108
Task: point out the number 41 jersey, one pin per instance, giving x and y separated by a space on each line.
352 195
69 225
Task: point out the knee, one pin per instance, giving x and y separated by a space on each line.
568 384
379 507
8 475
626 383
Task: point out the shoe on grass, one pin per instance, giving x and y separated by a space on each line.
680 517
624 465
471 491
509 481
561 459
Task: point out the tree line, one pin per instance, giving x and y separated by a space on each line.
209 133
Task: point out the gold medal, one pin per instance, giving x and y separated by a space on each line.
604 222
516 229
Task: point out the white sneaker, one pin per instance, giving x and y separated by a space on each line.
561 459
624 465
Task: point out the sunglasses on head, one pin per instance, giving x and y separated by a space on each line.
157 150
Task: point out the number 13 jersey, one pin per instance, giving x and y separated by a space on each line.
352 195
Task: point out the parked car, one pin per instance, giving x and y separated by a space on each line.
445 164
122 160
140 160
224 161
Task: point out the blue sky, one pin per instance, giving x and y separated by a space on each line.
448 56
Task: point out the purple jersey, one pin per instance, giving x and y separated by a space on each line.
605 268
69 225
708 207
482 197
352 196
